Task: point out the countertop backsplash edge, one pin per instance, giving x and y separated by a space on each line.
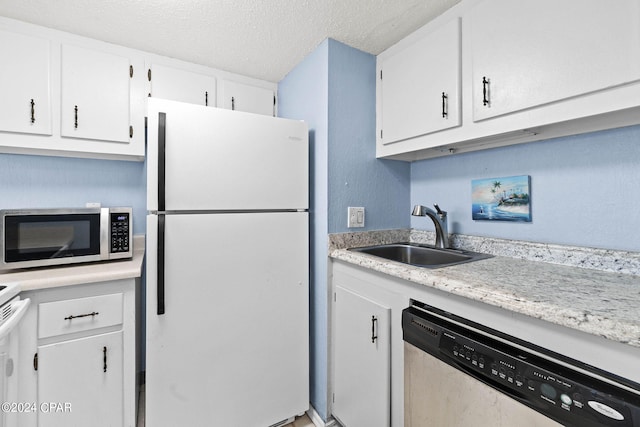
615 261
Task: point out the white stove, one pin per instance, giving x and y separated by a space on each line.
12 309
8 291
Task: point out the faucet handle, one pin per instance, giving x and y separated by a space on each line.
440 211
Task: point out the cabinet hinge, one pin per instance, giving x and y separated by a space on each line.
149 74
35 362
130 131
131 71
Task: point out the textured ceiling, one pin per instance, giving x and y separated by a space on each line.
264 39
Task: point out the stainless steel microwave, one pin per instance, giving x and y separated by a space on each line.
45 237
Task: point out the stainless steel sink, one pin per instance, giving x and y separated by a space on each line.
421 255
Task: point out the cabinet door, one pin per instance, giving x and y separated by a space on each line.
251 99
95 95
184 86
531 53
421 86
362 361
84 379
25 103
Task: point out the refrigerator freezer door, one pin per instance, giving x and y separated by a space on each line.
217 159
232 346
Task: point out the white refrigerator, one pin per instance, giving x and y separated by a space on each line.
227 294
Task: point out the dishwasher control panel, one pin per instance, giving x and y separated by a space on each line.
570 396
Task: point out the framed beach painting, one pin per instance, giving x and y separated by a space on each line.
501 199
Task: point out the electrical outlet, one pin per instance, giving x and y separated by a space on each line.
355 217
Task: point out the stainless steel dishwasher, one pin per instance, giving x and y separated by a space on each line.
460 373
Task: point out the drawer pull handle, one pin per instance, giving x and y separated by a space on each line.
33 112
75 123
104 358
92 314
374 323
445 110
485 87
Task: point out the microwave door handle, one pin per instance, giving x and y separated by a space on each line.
105 233
160 265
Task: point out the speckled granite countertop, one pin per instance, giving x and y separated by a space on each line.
79 274
598 302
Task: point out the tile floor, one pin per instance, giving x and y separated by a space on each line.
303 421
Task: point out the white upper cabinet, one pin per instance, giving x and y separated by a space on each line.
528 70
530 53
25 100
182 85
66 95
95 95
247 98
420 86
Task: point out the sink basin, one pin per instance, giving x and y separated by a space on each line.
421 255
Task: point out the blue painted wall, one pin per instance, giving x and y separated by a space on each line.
302 95
333 90
584 189
44 182
356 177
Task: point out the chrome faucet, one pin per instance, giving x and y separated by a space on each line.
439 218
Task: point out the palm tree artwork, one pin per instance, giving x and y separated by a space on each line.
501 199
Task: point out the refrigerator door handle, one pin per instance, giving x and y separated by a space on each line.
160 265
162 135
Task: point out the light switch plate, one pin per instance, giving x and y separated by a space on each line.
355 217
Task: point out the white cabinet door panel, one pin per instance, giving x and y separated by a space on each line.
537 52
414 82
247 98
95 95
362 361
25 93
85 376
181 85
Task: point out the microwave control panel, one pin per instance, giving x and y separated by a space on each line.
120 232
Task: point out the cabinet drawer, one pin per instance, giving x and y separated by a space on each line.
77 315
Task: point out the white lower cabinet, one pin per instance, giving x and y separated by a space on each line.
80 382
78 356
362 360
